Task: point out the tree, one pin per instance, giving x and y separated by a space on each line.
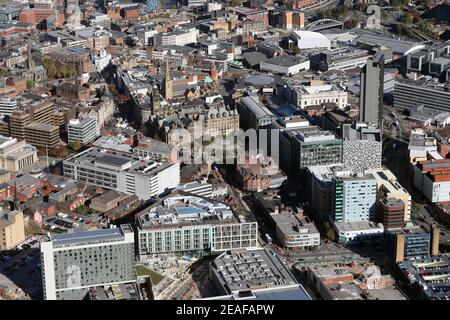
76 146
30 84
408 18
296 50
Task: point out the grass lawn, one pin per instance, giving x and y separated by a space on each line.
144 271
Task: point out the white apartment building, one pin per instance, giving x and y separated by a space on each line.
16 155
74 262
185 223
123 172
304 96
83 131
180 37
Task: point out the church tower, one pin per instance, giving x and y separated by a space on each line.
30 61
168 87
213 72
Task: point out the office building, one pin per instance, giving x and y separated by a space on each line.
12 229
388 187
181 222
72 263
295 232
420 146
341 58
432 178
409 94
308 146
252 272
197 188
371 94
7 106
392 213
354 196
42 134
410 241
123 172
83 131
16 155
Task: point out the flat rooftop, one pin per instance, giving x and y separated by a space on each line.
117 161
250 270
183 209
84 237
358 225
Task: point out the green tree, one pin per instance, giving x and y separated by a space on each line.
296 50
76 146
408 18
30 84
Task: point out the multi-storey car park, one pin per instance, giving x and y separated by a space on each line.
123 172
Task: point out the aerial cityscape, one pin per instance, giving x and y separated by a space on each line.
231 150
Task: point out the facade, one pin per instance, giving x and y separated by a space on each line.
432 177
371 94
408 242
308 146
123 172
296 233
354 197
74 262
182 222
7 106
16 155
361 146
83 131
177 37
392 214
287 65
409 94
12 229
42 134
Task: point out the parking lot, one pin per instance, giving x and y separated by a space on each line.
20 272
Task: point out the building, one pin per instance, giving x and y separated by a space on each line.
253 113
42 134
389 188
182 222
392 214
102 60
123 172
12 229
428 277
16 155
107 201
7 106
432 178
421 146
197 188
358 232
287 65
341 58
315 94
308 146
245 272
354 196
371 94
409 94
179 37
295 232
72 263
361 146
83 131
408 242
305 40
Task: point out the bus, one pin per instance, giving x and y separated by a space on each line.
268 239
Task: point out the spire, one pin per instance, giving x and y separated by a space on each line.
30 61
168 93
